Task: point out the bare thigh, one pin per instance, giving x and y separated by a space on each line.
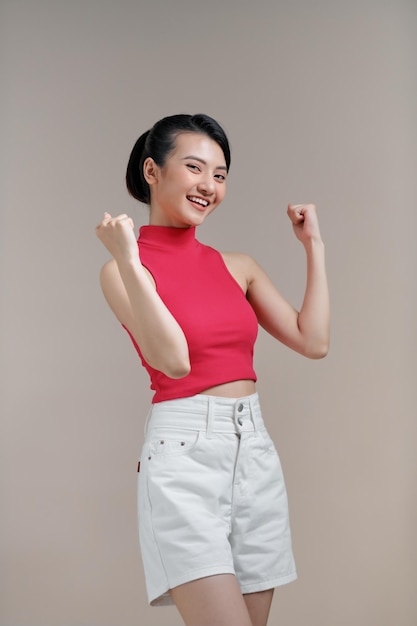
212 601
258 605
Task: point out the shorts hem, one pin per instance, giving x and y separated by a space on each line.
263 585
163 597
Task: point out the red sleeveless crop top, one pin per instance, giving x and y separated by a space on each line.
218 322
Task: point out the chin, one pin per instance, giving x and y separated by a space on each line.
195 220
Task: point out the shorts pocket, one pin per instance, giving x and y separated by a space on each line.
165 442
268 444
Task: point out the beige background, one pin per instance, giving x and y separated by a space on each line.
319 100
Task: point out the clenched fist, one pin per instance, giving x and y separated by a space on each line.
305 222
117 235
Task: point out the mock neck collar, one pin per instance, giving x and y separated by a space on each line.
167 236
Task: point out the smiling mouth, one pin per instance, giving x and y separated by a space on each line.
199 201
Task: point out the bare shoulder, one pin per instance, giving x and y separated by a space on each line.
241 262
109 274
241 266
115 292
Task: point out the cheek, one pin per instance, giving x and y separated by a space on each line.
221 193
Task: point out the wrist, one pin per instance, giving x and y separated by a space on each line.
314 243
129 264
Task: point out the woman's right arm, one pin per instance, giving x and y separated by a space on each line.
131 294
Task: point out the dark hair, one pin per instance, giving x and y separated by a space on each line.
159 142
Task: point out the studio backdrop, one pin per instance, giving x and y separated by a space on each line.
319 102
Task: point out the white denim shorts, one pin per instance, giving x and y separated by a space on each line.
211 497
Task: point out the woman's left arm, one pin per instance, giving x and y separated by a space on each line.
306 331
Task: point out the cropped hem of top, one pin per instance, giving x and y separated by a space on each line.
209 305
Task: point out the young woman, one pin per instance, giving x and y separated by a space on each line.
213 515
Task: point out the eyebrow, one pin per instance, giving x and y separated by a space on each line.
196 158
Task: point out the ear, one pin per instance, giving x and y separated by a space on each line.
150 171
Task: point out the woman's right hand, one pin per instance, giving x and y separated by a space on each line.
117 235
131 294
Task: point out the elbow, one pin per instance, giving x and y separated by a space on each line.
173 363
178 370
318 351
173 368
177 365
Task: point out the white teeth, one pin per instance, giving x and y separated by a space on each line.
198 200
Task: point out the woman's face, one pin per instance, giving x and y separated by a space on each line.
190 185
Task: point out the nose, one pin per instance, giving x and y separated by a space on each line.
206 186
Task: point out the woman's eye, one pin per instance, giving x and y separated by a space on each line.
193 167
220 177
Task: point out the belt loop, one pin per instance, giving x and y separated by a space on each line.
210 417
253 412
148 417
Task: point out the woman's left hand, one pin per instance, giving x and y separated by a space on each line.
305 222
